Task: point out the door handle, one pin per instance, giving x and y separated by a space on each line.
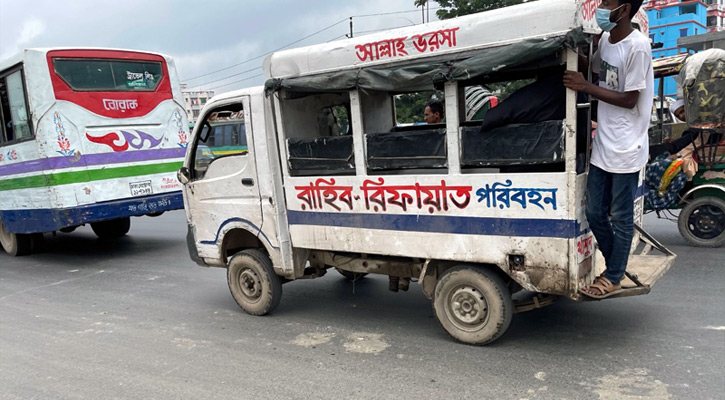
248 182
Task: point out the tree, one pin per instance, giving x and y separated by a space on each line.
457 8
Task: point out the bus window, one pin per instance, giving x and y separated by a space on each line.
109 75
318 135
15 121
223 134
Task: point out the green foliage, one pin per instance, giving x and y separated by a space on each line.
457 8
504 89
342 120
409 107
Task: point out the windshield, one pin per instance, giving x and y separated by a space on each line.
109 75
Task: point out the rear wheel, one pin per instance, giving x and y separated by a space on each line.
702 222
473 305
255 286
111 229
15 244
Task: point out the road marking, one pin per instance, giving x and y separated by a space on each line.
716 328
51 284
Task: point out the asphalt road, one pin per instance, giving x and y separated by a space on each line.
137 319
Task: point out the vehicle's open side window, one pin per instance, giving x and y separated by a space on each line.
397 137
318 133
222 134
514 125
14 112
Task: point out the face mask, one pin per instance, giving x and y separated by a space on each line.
603 15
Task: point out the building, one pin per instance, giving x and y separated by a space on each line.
670 20
710 40
194 101
715 15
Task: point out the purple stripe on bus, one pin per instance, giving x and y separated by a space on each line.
90 160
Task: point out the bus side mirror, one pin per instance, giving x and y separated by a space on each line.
183 175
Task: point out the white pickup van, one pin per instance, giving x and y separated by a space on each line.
326 178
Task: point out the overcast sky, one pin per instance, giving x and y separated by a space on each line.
202 36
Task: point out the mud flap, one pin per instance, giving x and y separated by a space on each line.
646 266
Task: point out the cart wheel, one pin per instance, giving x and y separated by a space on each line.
353 276
253 283
702 222
111 229
15 244
473 305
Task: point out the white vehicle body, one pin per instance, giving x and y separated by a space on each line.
361 213
77 148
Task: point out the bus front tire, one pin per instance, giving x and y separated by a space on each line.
111 229
473 304
255 286
15 244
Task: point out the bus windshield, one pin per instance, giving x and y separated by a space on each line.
109 75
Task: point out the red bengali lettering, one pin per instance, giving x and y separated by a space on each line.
323 191
379 196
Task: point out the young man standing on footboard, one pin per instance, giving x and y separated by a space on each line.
620 148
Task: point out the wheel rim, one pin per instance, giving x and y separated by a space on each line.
706 222
467 308
250 284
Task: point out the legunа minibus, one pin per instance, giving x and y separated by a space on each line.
88 136
489 222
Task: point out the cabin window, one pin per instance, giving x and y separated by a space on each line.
318 133
410 107
514 126
397 137
222 134
14 112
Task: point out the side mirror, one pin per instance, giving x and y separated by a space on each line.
183 175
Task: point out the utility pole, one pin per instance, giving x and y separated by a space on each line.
350 35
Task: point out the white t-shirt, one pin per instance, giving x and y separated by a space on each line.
621 143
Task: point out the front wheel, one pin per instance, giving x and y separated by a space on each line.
702 222
15 244
111 229
473 305
255 286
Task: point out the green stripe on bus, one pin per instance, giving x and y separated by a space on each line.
65 178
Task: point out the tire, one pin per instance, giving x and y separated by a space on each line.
15 244
37 242
352 276
473 305
255 286
702 222
111 229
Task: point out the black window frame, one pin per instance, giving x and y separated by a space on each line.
195 175
62 78
3 134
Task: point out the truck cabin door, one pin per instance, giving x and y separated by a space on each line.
223 186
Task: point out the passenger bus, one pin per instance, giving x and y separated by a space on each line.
88 136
